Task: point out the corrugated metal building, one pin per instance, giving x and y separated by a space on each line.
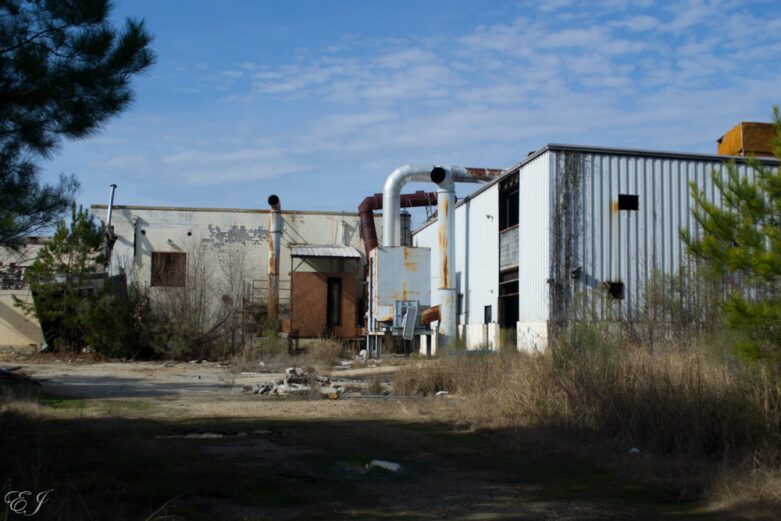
570 221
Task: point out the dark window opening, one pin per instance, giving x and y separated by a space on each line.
508 311
509 203
508 283
615 289
628 202
169 269
460 306
487 315
334 304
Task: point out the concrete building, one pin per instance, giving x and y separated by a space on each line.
567 223
320 256
16 328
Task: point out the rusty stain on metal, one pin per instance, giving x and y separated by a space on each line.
443 272
429 315
410 264
483 173
615 206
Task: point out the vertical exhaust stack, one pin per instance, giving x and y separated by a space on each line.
274 236
446 232
110 238
109 228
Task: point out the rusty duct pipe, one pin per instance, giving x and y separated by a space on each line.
374 202
274 236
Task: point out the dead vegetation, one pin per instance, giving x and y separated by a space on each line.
696 406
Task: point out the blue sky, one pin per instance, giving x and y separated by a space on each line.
318 101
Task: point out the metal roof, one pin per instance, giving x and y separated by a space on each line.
324 250
557 147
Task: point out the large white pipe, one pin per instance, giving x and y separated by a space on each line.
445 177
274 236
391 195
446 232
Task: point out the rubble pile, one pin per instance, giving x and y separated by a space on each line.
297 381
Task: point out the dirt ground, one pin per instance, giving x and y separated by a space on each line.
154 440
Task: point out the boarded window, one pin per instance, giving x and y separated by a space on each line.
169 268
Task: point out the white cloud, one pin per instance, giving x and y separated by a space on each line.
123 162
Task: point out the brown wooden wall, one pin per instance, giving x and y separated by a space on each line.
309 301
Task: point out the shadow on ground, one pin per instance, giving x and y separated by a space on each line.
237 469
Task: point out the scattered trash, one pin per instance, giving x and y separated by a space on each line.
296 381
362 354
387 465
262 363
44 347
441 393
295 375
166 364
634 450
249 373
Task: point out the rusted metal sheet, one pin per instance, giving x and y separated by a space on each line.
483 173
401 273
429 315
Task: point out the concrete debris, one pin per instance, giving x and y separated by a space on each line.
296 375
296 382
386 465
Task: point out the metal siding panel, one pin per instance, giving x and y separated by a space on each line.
483 277
534 186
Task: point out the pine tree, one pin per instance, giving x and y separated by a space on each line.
741 240
64 71
59 280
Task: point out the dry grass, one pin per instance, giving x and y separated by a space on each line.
324 353
690 406
321 354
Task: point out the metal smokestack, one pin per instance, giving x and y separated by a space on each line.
110 208
274 236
